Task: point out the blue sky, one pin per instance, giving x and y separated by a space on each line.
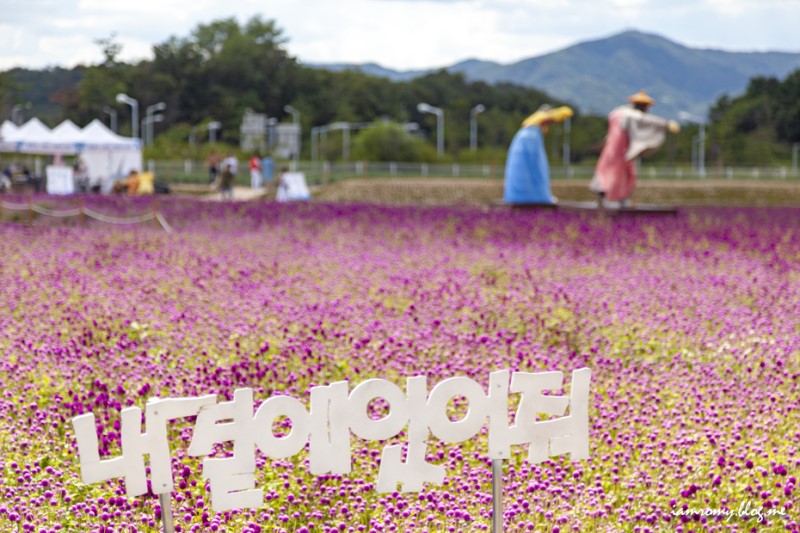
399 34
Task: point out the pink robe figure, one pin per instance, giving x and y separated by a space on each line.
631 133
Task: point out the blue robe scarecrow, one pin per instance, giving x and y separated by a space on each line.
527 179
527 174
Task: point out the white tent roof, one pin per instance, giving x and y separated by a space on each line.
7 128
33 130
67 131
34 137
97 135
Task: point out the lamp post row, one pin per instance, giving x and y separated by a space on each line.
422 107
346 127
151 116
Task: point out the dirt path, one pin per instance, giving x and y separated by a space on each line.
447 191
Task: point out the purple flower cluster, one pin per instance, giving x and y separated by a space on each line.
689 324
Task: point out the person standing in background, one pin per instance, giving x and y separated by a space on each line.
255 171
267 168
213 166
226 181
232 162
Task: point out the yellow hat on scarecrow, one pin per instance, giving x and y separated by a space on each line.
548 115
641 98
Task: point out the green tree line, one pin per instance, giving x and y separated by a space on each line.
223 68
759 127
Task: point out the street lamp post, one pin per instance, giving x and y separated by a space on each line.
147 127
296 119
346 142
112 113
17 111
473 126
323 142
314 134
271 123
161 106
213 126
193 136
425 108
123 98
701 160
319 135
566 152
345 127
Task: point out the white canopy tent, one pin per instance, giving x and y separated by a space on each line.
106 155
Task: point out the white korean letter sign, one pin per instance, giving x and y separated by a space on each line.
335 413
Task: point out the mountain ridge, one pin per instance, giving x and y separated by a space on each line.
596 75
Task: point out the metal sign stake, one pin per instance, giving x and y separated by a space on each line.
497 496
166 512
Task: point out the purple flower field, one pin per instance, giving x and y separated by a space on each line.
690 325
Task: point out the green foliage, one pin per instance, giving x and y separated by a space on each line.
110 47
389 141
99 84
225 68
177 142
48 91
172 144
759 126
6 90
787 123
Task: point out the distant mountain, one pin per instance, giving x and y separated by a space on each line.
373 69
598 75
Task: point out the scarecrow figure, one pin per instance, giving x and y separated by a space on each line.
527 175
631 133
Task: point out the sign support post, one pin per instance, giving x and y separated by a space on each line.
166 512
497 496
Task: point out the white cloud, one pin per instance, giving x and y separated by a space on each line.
11 38
728 7
401 34
72 49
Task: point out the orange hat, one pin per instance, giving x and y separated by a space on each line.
641 98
